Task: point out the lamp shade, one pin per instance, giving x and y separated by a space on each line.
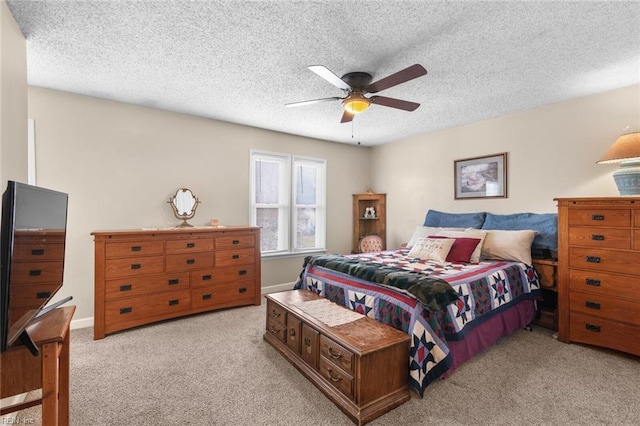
625 148
355 104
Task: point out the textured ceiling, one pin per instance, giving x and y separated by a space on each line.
242 61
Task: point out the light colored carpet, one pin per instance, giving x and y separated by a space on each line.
215 369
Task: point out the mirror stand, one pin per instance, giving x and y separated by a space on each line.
184 205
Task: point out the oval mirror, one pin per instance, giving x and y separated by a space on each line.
184 205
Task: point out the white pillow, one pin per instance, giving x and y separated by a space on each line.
468 233
425 231
508 245
432 249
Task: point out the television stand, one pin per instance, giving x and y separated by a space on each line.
22 372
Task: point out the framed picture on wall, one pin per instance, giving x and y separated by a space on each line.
481 177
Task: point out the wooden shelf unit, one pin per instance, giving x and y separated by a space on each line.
363 226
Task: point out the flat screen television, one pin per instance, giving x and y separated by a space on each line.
34 226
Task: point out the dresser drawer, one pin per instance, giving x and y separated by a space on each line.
606 284
604 260
189 261
600 217
134 266
276 328
133 248
601 332
135 286
236 241
337 377
38 252
636 239
309 348
600 237
222 275
188 245
595 305
294 331
276 313
222 294
31 296
235 257
336 353
128 312
36 272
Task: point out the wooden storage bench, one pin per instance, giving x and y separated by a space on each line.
362 365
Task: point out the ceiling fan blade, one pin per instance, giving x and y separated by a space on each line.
324 72
394 103
311 102
414 71
346 117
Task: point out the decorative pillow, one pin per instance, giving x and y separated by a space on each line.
462 248
432 249
508 245
546 224
455 220
469 233
425 231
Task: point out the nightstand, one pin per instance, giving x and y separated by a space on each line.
548 307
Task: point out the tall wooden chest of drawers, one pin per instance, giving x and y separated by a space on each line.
144 276
599 272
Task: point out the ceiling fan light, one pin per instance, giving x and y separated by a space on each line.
355 104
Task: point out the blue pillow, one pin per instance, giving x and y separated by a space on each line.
454 220
545 223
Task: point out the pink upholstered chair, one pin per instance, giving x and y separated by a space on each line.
370 243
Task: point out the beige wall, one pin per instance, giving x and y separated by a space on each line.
13 100
551 151
119 164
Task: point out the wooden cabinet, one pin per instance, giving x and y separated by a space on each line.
362 366
599 272
363 223
547 270
147 276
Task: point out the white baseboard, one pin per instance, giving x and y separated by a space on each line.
82 323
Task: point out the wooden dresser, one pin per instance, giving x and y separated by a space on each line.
599 272
144 276
362 366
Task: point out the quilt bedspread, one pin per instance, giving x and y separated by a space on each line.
483 290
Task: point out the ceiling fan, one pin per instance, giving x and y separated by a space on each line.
357 84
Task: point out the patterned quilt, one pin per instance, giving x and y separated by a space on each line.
483 290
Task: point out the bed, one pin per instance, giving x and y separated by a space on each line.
451 310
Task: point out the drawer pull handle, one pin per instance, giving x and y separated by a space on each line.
307 342
592 305
191 245
275 313
592 259
126 310
206 277
191 261
275 330
125 287
596 237
136 248
333 379
592 281
235 256
333 354
174 302
37 252
136 266
206 296
242 290
592 327
242 272
597 217
292 332
35 272
235 242
43 294
174 281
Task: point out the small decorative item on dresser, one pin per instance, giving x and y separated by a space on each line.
184 205
626 151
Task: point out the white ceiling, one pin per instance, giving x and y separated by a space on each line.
242 61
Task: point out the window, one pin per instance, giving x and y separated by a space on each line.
288 202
